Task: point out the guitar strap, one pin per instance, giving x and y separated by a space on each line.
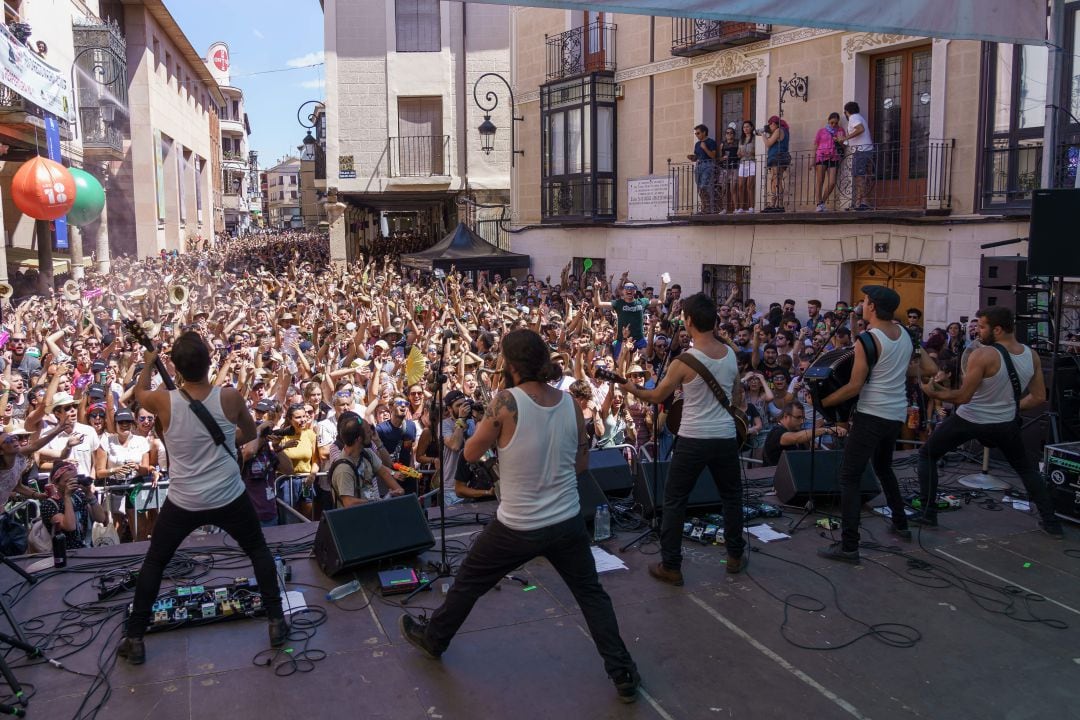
1014 379
870 348
208 422
699 367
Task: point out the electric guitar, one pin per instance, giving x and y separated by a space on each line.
674 413
139 334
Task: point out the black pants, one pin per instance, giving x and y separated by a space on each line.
499 550
870 441
953 432
173 524
691 456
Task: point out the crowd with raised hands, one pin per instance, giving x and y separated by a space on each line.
341 361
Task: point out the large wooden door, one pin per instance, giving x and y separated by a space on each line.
908 280
734 103
595 41
899 117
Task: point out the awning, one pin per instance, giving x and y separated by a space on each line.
464 250
25 258
1011 21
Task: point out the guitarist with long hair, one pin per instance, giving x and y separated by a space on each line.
709 436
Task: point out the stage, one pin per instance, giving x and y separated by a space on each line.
712 649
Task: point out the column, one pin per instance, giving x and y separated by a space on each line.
99 231
45 257
75 247
3 246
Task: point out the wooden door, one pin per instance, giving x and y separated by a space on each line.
595 41
734 103
899 117
908 280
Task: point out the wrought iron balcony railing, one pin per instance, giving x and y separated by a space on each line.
890 177
695 36
583 199
101 129
583 50
1010 174
418 155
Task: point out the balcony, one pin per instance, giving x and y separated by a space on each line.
100 131
1065 163
582 199
583 50
895 180
418 156
694 36
234 159
101 85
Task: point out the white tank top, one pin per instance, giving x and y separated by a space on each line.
885 392
537 477
993 401
202 475
703 416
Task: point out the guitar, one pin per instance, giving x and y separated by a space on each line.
136 331
674 412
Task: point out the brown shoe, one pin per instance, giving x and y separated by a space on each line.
736 563
663 574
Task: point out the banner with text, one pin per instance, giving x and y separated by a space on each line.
27 74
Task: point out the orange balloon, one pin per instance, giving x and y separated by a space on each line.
43 189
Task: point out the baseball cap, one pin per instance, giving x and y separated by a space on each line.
882 297
452 397
266 405
123 416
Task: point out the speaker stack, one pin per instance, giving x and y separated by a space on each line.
350 537
611 472
792 479
652 479
1005 282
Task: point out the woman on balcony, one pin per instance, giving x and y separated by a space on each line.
727 173
828 148
747 170
778 159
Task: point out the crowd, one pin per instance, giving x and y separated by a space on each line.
341 362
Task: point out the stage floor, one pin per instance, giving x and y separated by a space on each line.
712 649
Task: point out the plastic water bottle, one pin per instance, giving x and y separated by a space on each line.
607 522
601 523
59 547
279 569
343 590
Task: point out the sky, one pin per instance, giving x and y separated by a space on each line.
270 42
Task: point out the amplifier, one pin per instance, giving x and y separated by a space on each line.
1062 466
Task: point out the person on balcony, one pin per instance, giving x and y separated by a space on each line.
778 160
828 150
727 172
747 169
861 145
704 158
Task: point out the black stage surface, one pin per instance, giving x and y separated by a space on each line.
712 649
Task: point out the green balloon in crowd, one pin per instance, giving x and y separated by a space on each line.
89 198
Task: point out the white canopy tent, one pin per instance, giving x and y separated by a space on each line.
1010 21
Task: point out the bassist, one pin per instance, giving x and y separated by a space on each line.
707 438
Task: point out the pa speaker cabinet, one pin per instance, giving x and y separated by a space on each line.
792 479
1052 233
350 537
611 471
590 496
1003 271
649 488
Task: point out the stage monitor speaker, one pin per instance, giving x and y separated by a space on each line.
792 479
350 537
704 494
1023 301
591 496
611 471
1051 242
1002 271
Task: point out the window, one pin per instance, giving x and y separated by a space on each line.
235 109
200 166
718 282
899 118
734 104
578 149
418 26
1015 82
181 181
596 270
292 195
419 149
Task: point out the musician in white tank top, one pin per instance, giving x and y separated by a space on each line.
987 405
539 433
879 416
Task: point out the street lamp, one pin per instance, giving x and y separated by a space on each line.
487 128
307 149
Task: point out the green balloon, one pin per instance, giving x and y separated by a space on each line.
89 198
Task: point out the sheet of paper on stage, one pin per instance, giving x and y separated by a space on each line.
765 533
292 601
605 561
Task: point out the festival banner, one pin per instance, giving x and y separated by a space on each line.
22 70
52 144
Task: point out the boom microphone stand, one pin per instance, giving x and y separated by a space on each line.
442 567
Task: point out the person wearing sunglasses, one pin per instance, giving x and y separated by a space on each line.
629 311
16 460
122 458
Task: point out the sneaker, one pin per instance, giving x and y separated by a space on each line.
863 207
751 210
722 212
901 532
739 211
626 684
413 630
133 650
279 631
923 519
836 552
737 563
1052 527
663 574
820 207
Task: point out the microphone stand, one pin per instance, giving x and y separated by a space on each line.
814 379
442 566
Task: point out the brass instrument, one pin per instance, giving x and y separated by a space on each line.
6 290
178 294
70 291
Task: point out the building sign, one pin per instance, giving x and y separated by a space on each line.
22 70
52 145
648 198
217 60
346 170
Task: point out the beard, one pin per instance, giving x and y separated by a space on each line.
508 379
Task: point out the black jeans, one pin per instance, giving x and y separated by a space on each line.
173 524
499 550
953 432
692 456
870 441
